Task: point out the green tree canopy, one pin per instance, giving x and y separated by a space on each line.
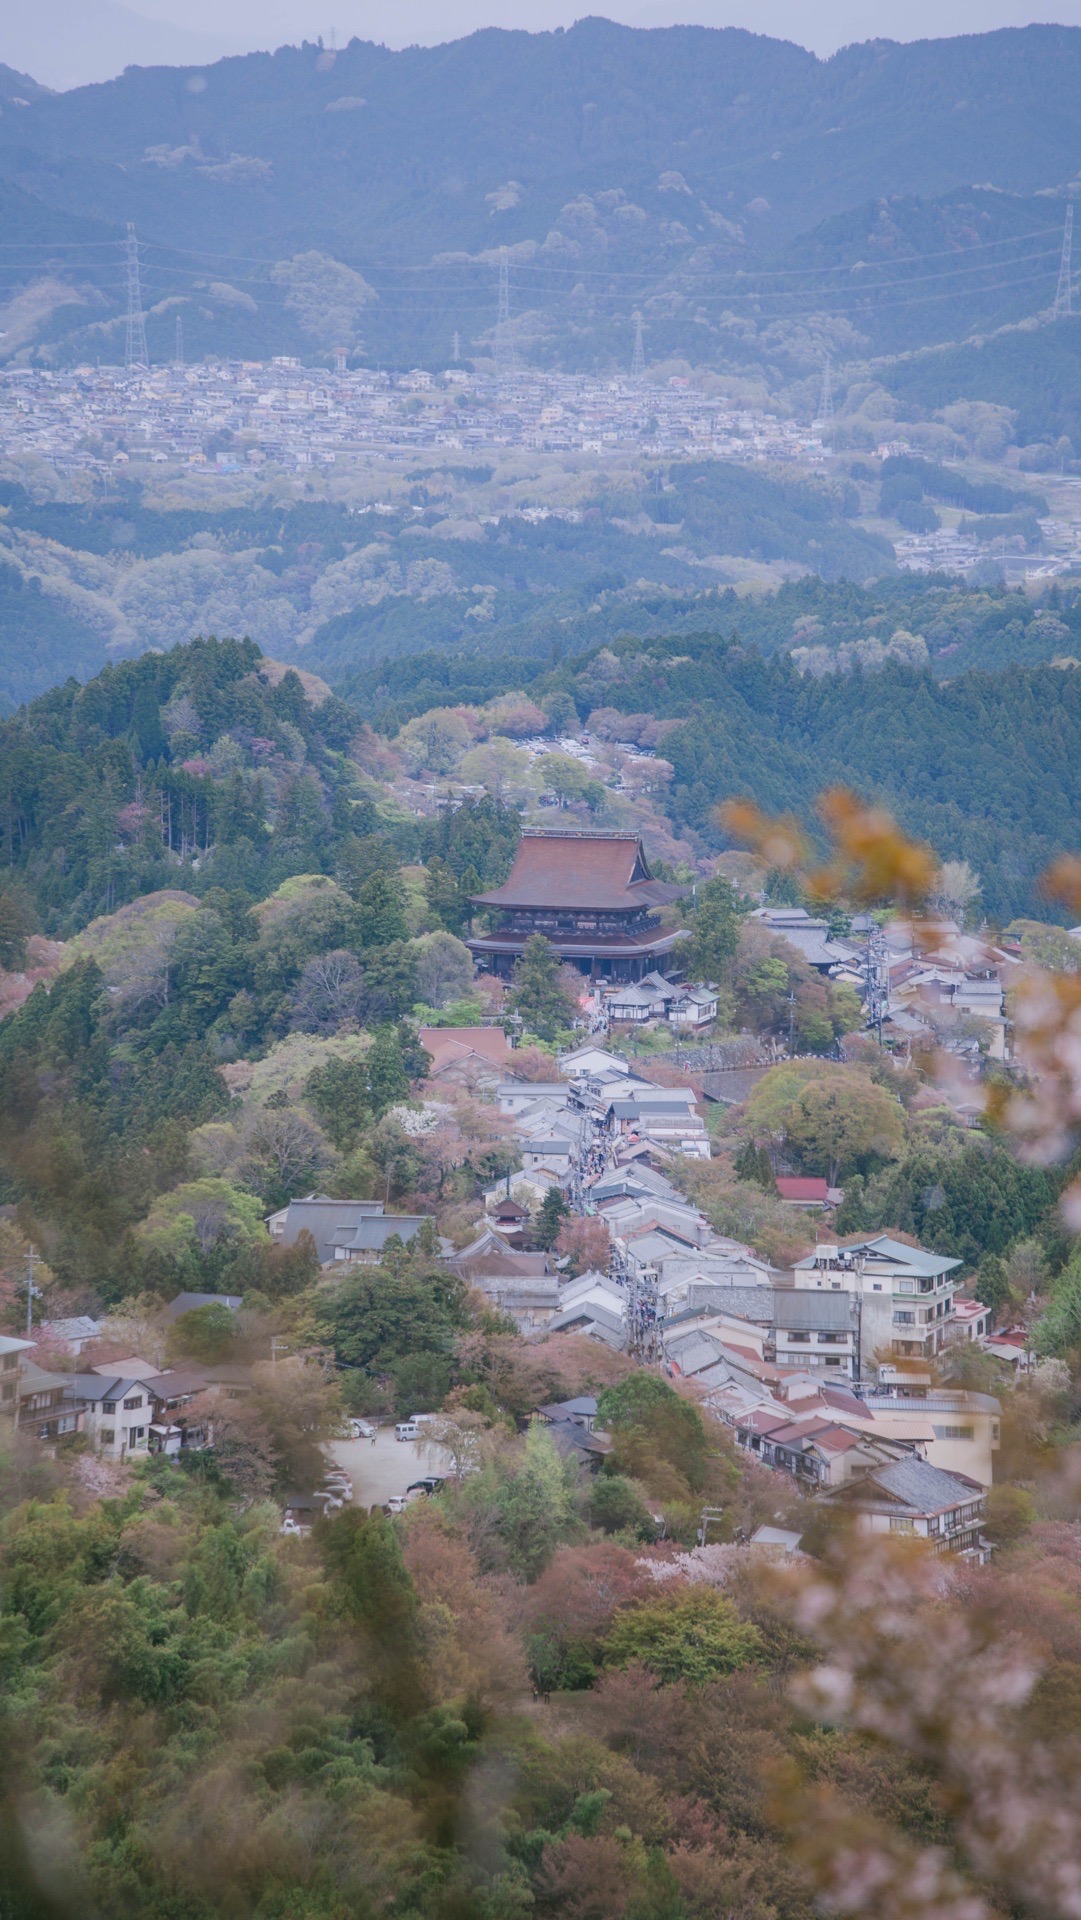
694 1635
539 996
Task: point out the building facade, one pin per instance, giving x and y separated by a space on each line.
592 896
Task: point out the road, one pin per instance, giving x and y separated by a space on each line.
387 1467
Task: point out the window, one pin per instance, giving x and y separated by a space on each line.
108 1406
906 1286
107 1436
799 1339
904 1319
136 1435
899 1524
135 1401
953 1433
876 1286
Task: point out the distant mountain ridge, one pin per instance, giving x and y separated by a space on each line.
396 157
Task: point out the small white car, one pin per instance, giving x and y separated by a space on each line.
362 1429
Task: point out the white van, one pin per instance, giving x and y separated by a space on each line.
407 1430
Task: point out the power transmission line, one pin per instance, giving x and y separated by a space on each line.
135 353
1063 293
638 358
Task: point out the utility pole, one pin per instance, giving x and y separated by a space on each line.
1063 307
504 358
30 1292
638 358
179 356
136 358
825 402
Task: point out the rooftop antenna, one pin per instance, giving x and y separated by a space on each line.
825 400
1063 307
179 341
135 354
638 358
504 358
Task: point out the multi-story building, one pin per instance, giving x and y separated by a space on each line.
10 1350
592 896
905 1294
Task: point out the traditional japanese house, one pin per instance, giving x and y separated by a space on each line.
592 895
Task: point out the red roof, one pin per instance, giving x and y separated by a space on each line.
448 1044
606 871
796 1187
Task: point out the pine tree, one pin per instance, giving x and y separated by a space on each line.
554 1210
387 1084
539 995
380 912
13 931
714 931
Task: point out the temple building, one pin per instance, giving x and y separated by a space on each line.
592 895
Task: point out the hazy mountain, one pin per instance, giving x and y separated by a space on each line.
620 168
397 157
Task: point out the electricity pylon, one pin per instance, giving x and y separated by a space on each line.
504 353
135 354
1063 293
638 358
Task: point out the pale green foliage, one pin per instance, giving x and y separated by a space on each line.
133 946
694 1636
287 1064
196 1215
327 297
434 742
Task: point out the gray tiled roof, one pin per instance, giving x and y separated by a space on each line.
921 1488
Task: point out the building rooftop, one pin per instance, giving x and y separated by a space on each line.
592 872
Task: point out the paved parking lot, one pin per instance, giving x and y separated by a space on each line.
387 1467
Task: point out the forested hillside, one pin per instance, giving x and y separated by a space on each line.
103 785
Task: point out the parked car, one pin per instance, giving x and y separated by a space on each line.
336 1484
329 1501
430 1483
407 1430
362 1429
293 1528
399 1501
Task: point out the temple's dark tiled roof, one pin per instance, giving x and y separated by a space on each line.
599 872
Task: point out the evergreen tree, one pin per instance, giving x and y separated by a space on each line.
539 996
753 1163
380 912
553 1211
444 894
714 931
13 932
387 1083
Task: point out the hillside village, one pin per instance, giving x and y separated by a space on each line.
826 1365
